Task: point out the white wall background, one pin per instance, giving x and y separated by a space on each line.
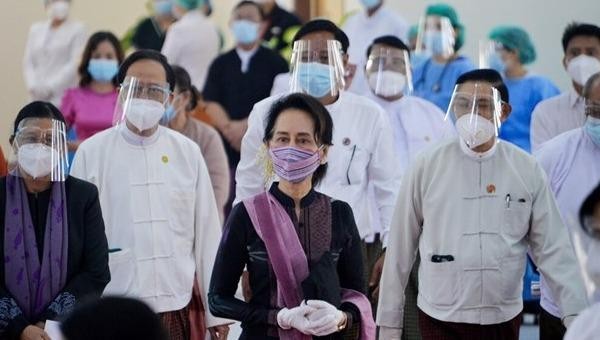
544 20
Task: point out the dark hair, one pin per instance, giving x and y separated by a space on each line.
251 3
317 112
38 109
489 76
589 205
576 29
115 318
590 84
388 40
92 44
147 55
184 83
319 25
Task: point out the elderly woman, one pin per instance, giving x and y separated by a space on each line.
297 244
51 229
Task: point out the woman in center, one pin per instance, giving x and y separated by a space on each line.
301 248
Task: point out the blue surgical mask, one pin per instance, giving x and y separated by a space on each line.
163 7
592 127
496 63
245 31
103 70
370 3
434 40
170 113
314 78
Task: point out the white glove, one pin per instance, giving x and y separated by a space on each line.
325 318
295 318
568 320
389 333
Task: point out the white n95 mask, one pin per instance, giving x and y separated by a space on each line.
582 67
387 83
475 130
36 159
144 113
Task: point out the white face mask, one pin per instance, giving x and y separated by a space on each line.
144 114
582 67
475 130
387 83
36 159
58 10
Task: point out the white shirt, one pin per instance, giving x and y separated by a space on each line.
417 124
245 57
556 115
572 162
281 84
52 56
362 30
362 154
454 204
586 326
159 208
192 43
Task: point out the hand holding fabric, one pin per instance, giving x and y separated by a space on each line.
325 318
295 318
390 333
34 333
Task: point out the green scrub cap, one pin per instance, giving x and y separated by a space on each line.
445 10
189 4
515 38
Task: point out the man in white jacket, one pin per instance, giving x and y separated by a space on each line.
162 221
473 206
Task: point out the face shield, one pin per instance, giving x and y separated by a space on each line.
435 37
142 104
317 68
39 150
490 55
388 72
475 109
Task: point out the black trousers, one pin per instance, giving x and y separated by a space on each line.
551 327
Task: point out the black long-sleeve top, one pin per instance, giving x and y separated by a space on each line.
87 263
240 246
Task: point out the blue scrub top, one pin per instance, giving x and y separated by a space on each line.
524 94
435 82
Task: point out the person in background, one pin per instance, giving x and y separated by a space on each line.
162 221
512 50
376 20
113 318
553 116
441 35
280 23
585 326
51 229
417 125
240 78
178 117
474 207
3 167
150 33
192 42
52 52
306 239
570 161
89 108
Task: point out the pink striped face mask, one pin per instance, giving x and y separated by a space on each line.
294 164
